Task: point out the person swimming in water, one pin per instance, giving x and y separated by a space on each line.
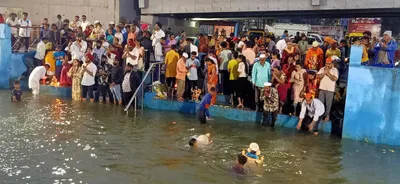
238 168
201 140
253 153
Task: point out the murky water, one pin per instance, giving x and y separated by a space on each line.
45 140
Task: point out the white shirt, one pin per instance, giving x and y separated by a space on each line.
157 36
35 76
25 32
134 52
84 25
88 80
40 50
74 24
120 37
77 51
14 22
202 140
315 109
242 70
281 45
240 45
326 83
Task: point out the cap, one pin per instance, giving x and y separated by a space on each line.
47 64
144 26
309 96
329 60
267 84
335 58
254 147
111 23
96 22
89 56
262 56
388 33
185 55
235 39
315 44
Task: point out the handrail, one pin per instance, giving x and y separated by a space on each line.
141 84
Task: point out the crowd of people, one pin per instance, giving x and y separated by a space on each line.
266 74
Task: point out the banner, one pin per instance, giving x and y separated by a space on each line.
359 25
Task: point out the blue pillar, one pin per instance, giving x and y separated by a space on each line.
372 103
5 55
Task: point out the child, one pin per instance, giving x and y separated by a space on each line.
201 140
203 114
16 92
66 65
238 168
103 85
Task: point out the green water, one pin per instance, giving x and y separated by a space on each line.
41 142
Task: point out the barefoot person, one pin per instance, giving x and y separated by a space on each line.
311 113
34 78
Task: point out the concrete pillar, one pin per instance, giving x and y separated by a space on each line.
5 55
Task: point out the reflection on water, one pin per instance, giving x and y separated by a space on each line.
48 140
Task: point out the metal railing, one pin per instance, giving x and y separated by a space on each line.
141 85
32 37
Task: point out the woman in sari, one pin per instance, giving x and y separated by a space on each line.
66 65
212 78
76 74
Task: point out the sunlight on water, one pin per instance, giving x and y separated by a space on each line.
49 140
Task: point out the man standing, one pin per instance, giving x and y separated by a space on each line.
249 53
55 37
314 57
148 48
117 76
333 51
192 64
181 76
13 22
270 97
98 52
77 48
158 33
59 56
25 30
225 56
59 22
40 52
84 22
311 114
303 46
270 43
281 45
203 114
73 25
328 76
88 80
241 43
261 74
34 78
171 60
233 66
130 83
158 50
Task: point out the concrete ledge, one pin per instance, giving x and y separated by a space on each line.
65 92
228 113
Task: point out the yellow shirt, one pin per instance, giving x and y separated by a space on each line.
365 54
233 69
330 53
171 59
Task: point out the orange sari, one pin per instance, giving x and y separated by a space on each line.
212 80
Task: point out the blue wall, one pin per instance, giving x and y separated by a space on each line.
11 64
228 113
372 111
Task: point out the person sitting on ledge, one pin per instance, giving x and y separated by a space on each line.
311 113
201 140
202 113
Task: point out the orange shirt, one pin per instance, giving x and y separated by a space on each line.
181 70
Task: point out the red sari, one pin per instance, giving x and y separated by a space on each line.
212 80
64 79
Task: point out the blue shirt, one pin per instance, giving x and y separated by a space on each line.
17 94
193 70
390 50
205 101
261 74
251 155
58 54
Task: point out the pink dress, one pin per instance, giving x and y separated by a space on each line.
64 79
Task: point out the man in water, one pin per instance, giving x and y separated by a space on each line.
238 168
34 78
311 113
201 140
202 113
